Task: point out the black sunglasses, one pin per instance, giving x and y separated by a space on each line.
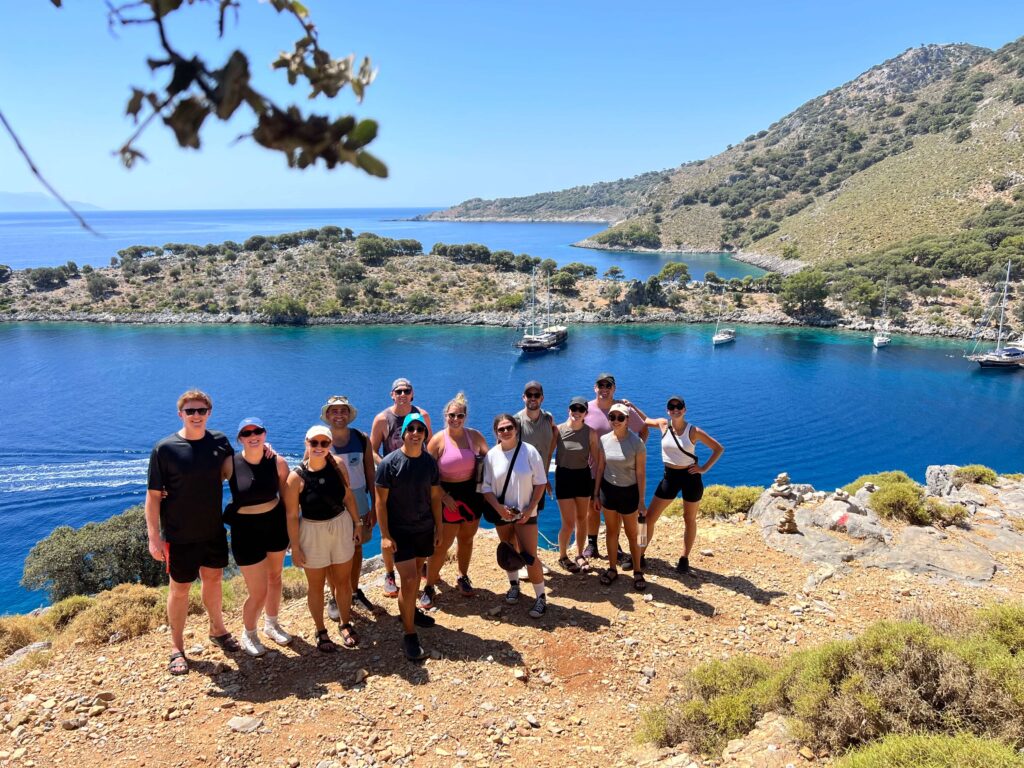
402 391
616 417
533 394
508 428
319 443
415 428
456 416
675 406
195 411
251 432
578 408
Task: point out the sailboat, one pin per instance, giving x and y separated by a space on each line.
1002 357
882 338
725 335
549 337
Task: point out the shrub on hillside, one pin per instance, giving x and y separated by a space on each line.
724 501
63 611
974 473
286 309
919 750
900 501
18 631
943 514
126 611
881 479
92 558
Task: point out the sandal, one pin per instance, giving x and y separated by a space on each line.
582 563
226 642
324 644
569 565
639 582
609 576
178 664
349 638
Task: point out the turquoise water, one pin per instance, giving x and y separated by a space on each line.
49 239
83 404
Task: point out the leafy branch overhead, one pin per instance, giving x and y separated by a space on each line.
196 91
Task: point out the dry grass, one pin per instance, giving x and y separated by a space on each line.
128 610
18 631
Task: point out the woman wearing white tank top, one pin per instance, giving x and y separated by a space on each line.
683 472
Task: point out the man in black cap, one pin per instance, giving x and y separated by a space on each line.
537 427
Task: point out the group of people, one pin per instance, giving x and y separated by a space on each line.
426 490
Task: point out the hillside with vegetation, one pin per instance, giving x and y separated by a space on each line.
910 148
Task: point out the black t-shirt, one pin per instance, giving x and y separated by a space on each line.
408 481
190 472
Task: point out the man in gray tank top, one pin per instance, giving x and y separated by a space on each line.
537 427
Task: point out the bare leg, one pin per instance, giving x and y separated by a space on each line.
275 566
582 509
466 535
690 510
658 506
256 583
315 578
567 508
177 611
611 537
527 535
630 524
593 521
212 580
357 558
409 576
341 574
448 534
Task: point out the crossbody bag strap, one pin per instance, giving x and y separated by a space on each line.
680 447
508 475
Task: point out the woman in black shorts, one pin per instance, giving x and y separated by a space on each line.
259 532
682 472
574 486
622 468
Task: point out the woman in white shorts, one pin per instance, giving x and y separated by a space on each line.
325 536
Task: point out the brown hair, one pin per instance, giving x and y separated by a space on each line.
504 417
195 394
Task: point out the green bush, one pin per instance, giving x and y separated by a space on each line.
945 514
286 309
92 558
919 750
900 501
63 611
724 501
974 473
881 479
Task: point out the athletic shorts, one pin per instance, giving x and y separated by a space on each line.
615 498
410 545
327 542
253 536
465 492
362 503
678 481
573 483
185 560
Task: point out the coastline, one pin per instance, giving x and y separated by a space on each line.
516 219
766 261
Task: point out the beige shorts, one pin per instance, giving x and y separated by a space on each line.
327 542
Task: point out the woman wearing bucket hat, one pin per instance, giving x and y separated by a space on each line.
621 472
324 539
458 450
259 532
575 445
683 472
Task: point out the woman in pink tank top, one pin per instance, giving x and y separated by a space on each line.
456 448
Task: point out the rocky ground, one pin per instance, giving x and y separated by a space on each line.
500 688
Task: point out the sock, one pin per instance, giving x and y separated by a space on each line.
513 577
252 634
269 621
538 589
391 574
592 540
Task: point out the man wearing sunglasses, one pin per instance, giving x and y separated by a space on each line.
597 420
408 487
183 519
537 427
385 437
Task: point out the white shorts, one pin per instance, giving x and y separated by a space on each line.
327 542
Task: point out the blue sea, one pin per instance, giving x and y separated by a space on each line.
83 403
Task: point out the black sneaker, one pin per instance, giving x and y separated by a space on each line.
359 598
625 561
643 562
683 566
539 607
420 619
413 650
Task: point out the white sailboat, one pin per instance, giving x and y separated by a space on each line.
549 337
882 338
722 335
1002 357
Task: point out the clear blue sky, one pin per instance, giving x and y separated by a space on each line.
474 98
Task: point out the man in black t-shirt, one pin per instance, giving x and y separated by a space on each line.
409 514
183 519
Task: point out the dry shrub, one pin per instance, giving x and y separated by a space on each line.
128 610
293 584
18 631
920 750
63 611
944 514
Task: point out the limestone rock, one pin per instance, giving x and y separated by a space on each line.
244 724
939 478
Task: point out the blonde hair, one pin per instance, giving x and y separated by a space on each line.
195 394
458 401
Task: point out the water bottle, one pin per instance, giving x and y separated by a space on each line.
641 531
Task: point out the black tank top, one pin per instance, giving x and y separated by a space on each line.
323 493
253 484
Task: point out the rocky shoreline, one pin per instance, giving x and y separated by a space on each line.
767 261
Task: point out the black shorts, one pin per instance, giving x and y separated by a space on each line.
615 498
185 560
678 481
466 493
412 544
253 536
492 517
573 483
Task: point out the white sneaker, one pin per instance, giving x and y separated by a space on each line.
250 642
332 610
275 633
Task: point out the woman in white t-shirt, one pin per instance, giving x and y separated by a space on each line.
514 481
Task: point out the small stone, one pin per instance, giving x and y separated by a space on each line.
521 674
71 725
97 710
806 753
244 724
106 696
293 762
18 753
707 553
360 676
533 721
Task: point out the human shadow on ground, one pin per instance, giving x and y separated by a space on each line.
586 588
739 584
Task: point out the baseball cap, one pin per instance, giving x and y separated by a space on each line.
401 381
318 430
411 418
252 421
619 408
338 400
580 401
605 377
533 385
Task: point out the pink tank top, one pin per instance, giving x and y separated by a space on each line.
456 463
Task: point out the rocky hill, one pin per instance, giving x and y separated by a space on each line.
911 147
501 689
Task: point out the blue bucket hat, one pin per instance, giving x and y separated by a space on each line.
411 418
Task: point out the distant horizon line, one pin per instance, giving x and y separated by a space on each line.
201 210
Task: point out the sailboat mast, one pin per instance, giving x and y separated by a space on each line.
1002 309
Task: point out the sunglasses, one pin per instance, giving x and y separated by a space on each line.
403 391
533 394
508 428
251 432
415 428
577 409
616 417
456 416
319 443
675 406
604 385
195 411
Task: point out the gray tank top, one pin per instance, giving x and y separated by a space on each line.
393 435
537 433
620 458
573 447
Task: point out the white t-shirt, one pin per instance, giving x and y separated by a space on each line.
528 472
